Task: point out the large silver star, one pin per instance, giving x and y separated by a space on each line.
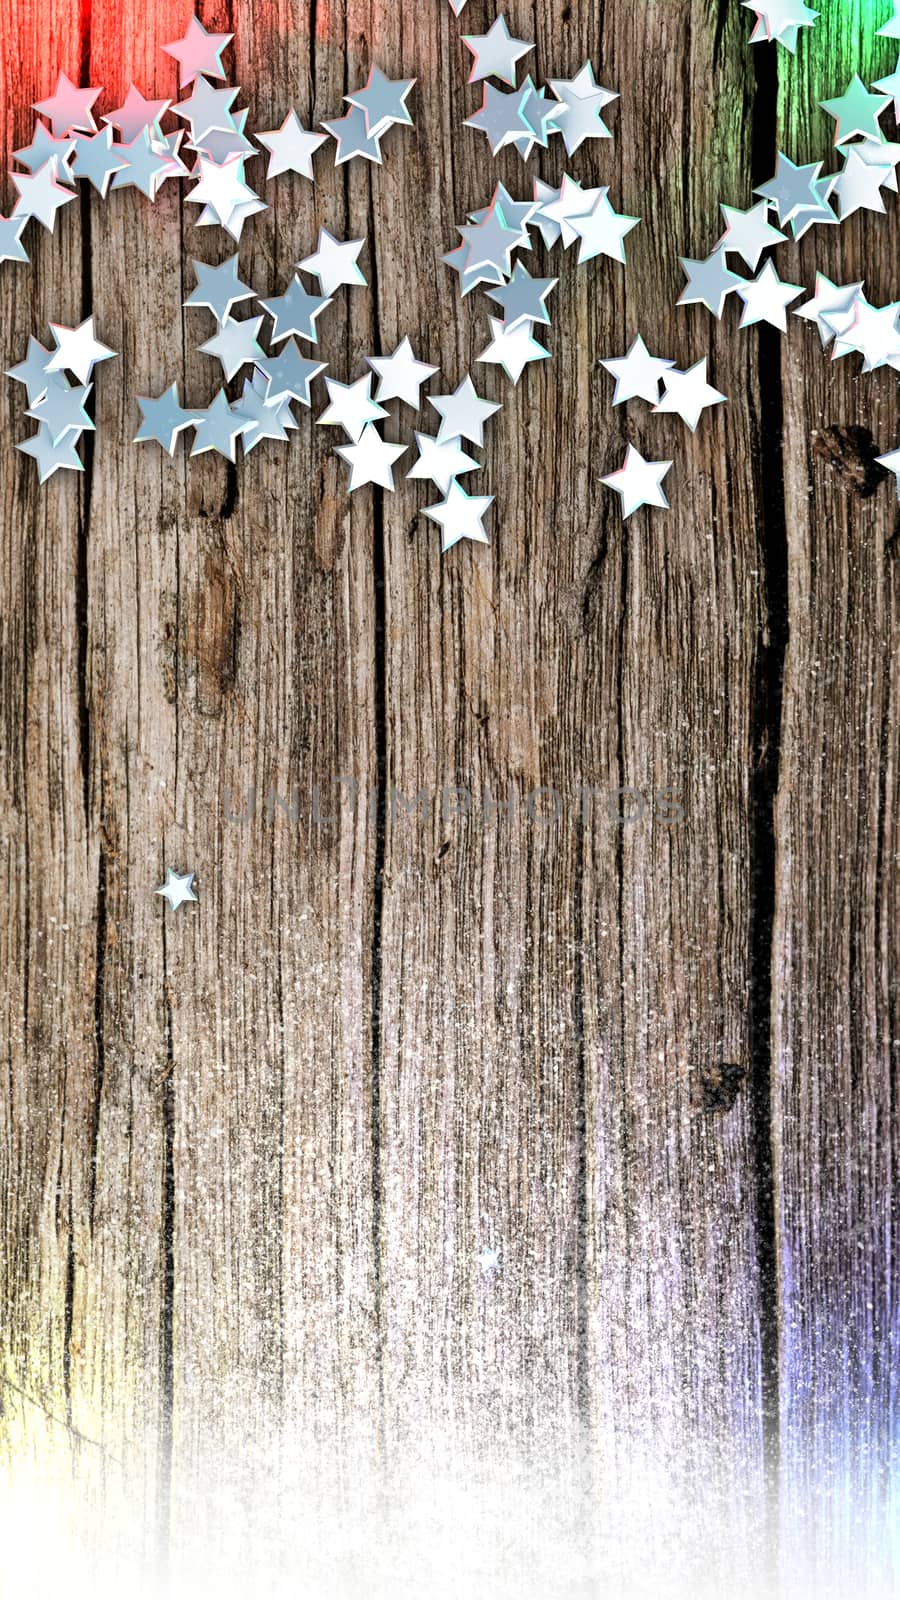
500 117
603 230
34 373
77 349
335 263
524 298
638 482
97 159
441 463
51 457
637 373
766 298
463 413
460 516
512 348
198 51
351 407
41 195
61 411
69 108
401 376
688 394
353 138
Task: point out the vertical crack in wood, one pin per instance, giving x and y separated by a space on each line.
87 479
378 867
68 1315
765 745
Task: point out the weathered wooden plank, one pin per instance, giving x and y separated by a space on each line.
550 993
834 963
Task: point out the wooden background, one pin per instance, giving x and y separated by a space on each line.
249 1153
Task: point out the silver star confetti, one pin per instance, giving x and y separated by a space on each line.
637 373
335 264
291 147
371 459
163 420
178 889
688 394
460 516
401 376
638 482
496 53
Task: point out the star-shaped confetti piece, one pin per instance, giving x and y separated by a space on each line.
512 348
97 159
496 53
582 100
638 482
198 51
709 282
353 138
524 298
461 516
383 101
748 233
334 263
164 419
371 459
235 345
50 457
61 411
219 428
42 195
69 108
688 394
779 20
856 112
77 350
441 463
500 117
218 288
11 246
290 375
295 311
178 888
401 376
766 298
637 373
135 114
463 413
603 230
291 147
34 373
351 407
791 189
831 307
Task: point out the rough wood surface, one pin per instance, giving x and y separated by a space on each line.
249 1154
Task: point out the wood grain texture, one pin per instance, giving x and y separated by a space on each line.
835 957
434 996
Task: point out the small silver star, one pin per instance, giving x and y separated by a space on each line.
791 189
97 159
41 195
198 51
858 186
219 429
688 394
766 298
51 457
371 459
582 99
136 114
496 53
11 246
219 288
77 350
353 138
61 411
291 147
441 463
638 482
603 230
235 345
164 419
264 416
42 147
33 371
177 889
856 112
295 311
748 233
512 348
144 166
69 108
463 413
709 282
637 373
401 376
290 374
383 100
334 263
460 516
351 407
208 110
500 117
831 307
524 298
